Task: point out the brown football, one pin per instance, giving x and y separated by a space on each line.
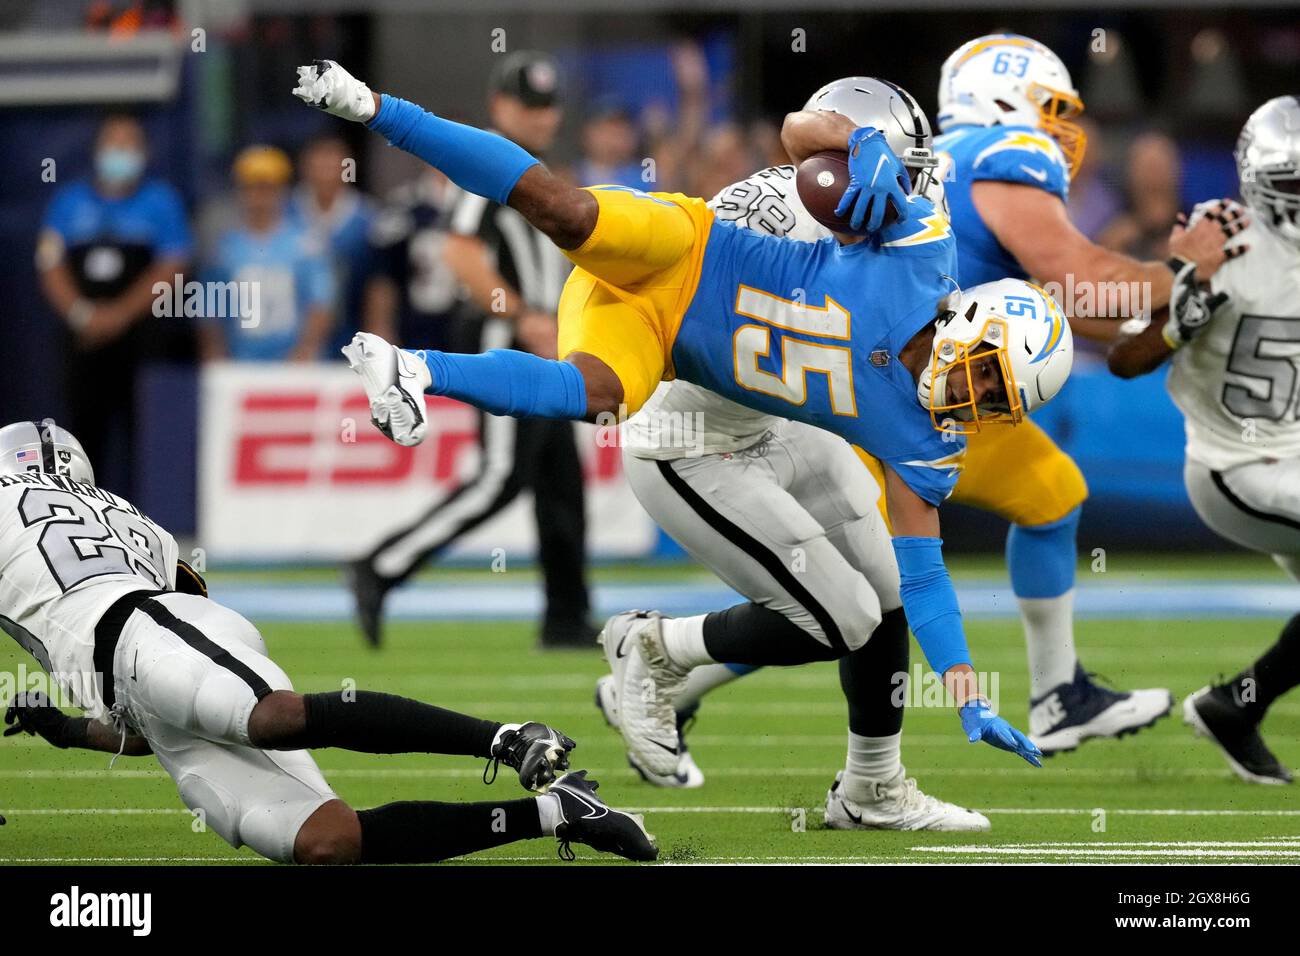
821 180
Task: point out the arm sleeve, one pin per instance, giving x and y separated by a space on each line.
475 160
930 602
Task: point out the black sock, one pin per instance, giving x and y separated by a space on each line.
869 678
1275 673
424 831
376 723
753 634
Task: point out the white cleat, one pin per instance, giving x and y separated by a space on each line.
394 381
645 685
898 804
688 775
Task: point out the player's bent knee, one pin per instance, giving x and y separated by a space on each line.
330 837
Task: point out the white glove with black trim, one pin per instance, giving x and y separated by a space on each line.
327 86
1190 307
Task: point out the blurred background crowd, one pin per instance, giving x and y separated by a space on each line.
225 178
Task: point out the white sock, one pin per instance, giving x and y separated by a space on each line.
700 681
548 811
871 759
684 641
1049 639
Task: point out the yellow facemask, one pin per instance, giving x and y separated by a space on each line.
954 358
1055 108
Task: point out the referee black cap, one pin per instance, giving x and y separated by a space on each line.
531 77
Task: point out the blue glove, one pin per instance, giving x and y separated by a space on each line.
876 178
980 723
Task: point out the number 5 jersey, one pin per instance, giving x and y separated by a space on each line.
67 552
1237 383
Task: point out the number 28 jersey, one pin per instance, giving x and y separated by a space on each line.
1238 382
67 552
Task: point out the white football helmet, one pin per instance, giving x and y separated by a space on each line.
43 447
1008 80
1268 165
1023 328
889 108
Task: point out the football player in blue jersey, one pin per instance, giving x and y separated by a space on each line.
1007 151
874 345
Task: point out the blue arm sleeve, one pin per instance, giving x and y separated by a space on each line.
507 382
474 159
930 602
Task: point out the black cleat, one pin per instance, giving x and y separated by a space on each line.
565 635
589 820
368 591
535 750
1211 712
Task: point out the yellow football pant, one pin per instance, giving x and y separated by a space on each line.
1014 471
635 277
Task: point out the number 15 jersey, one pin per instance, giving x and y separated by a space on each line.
813 332
67 552
1238 382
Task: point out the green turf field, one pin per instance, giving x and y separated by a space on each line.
769 745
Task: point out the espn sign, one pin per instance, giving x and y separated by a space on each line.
290 468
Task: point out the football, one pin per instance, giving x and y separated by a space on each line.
821 181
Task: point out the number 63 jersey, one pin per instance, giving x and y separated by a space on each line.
68 551
1238 382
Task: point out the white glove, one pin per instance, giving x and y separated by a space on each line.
329 87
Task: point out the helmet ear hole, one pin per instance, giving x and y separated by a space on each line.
970 313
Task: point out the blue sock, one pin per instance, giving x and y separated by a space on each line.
740 670
475 160
506 382
1041 558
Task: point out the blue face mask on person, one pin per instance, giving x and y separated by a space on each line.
116 165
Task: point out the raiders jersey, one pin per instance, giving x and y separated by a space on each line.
682 419
1238 382
68 551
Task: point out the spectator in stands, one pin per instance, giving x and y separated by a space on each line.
609 143
1153 184
283 289
724 158
673 139
1094 199
340 216
412 295
104 244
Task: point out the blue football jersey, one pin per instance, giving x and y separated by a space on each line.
812 331
279 276
1010 154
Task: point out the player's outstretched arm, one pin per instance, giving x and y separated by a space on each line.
930 603
1143 346
1034 226
476 160
33 712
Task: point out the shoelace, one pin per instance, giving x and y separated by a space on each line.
118 715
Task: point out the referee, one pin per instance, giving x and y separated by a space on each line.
512 276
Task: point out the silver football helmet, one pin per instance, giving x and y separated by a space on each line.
892 110
43 447
1268 165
